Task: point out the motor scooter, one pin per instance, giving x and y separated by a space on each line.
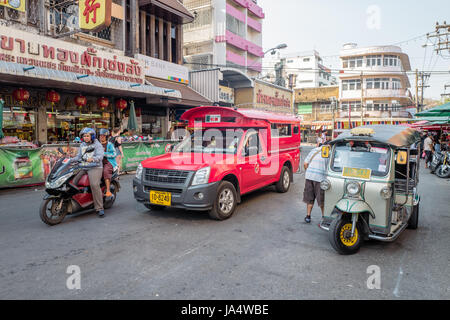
443 170
64 197
436 161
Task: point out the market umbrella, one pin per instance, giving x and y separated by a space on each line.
132 119
2 102
439 111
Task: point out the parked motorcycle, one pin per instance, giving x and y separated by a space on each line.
443 170
436 161
64 198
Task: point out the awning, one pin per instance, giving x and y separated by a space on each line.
49 78
236 79
172 6
189 96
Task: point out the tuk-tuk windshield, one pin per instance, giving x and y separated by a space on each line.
211 141
362 155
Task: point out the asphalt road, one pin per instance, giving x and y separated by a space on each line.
265 251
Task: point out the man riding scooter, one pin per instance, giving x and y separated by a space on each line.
109 161
93 165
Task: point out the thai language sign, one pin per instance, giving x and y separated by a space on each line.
93 15
34 50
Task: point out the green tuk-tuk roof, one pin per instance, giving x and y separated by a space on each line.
396 136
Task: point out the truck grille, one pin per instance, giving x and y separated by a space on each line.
166 176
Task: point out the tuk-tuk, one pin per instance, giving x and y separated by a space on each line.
371 185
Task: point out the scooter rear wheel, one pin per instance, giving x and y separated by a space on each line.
49 212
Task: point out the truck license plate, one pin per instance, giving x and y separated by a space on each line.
160 198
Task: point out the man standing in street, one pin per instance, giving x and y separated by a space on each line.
428 148
316 168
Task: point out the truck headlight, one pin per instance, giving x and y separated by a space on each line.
353 188
201 176
386 193
139 171
325 185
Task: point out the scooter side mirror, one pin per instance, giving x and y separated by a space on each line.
60 150
90 149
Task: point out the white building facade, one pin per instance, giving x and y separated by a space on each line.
224 33
374 78
301 70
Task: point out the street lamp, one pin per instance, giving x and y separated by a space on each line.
278 47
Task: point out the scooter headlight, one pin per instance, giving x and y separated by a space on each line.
353 188
386 193
58 182
325 185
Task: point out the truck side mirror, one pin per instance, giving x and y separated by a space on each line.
325 151
402 157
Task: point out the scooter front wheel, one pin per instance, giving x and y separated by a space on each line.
52 211
443 171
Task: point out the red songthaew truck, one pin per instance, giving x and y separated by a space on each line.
227 153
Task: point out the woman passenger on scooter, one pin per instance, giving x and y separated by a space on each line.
109 161
92 164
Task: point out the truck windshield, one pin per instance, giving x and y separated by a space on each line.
361 155
211 141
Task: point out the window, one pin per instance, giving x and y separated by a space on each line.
306 59
385 83
235 26
352 62
325 108
372 61
351 84
280 130
390 61
370 83
252 146
396 84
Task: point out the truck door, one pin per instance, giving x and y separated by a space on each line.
253 159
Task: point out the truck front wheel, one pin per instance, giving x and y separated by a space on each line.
225 203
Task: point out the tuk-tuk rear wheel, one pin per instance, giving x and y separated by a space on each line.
340 236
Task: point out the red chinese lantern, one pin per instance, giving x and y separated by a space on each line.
21 95
121 104
80 101
53 97
102 103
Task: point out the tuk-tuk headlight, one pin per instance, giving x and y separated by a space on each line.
325 185
386 193
353 188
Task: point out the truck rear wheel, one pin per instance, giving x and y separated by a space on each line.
225 203
284 183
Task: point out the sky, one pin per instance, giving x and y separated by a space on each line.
325 25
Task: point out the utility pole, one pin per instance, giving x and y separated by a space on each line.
417 91
423 77
442 32
333 109
362 100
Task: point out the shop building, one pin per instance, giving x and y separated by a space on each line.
265 96
374 85
300 70
224 33
315 106
55 79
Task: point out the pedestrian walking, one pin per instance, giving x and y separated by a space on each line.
316 168
428 148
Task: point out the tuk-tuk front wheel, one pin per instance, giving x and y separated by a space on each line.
340 236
